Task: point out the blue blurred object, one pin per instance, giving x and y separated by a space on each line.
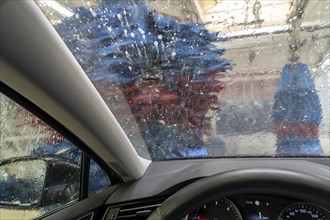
165 142
297 146
14 192
296 99
64 148
115 36
122 42
297 112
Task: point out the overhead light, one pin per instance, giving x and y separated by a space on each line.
57 7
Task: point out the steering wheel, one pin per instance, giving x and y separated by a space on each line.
288 183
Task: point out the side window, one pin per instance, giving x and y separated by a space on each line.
39 168
98 179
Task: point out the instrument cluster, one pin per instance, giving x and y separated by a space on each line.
254 207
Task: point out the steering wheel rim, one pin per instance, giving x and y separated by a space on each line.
280 182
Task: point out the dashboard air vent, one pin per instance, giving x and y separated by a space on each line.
133 211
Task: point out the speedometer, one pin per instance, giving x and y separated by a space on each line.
304 211
221 208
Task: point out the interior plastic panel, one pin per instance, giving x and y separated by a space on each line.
166 177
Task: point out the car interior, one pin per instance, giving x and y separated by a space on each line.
41 74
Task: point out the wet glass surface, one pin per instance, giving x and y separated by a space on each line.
21 185
207 78
39 168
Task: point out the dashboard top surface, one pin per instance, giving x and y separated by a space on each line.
164 178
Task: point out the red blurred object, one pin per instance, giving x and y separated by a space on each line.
301 130
32 121
150 101
185 105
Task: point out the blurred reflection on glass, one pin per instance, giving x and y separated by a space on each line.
198 78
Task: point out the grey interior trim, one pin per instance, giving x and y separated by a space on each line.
162 178
85 206
87 216
41 60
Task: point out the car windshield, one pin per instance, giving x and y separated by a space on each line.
206 78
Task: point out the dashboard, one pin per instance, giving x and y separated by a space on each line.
241 207
234 189
258 207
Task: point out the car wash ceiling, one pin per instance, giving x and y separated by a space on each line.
258 30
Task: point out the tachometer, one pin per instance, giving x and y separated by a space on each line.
219 209
304 211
